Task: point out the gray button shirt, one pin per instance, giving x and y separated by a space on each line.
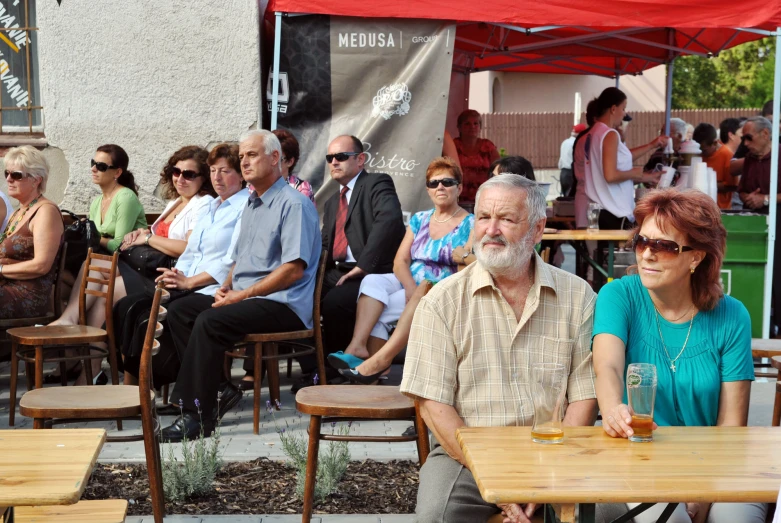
279 226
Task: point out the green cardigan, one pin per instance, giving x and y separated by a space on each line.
125 213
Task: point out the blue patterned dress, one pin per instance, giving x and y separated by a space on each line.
433 259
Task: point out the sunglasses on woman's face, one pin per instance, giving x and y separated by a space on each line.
447 182
187 174
641 243
101 166
15 175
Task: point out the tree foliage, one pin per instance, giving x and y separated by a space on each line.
738 77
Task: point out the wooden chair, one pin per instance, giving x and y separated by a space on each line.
51 406
764 349
266 350
34 340
776 420
330 403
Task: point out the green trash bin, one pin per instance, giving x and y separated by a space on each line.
743 270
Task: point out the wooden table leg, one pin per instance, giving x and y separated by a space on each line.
311 468
565 513
38 367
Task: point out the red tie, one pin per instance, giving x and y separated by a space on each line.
340 239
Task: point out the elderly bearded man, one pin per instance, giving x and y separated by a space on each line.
477 330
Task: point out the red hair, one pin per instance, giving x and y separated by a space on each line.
696 216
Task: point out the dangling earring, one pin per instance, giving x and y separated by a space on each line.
692 269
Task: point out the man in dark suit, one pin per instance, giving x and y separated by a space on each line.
362 230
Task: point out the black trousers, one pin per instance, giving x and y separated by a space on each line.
203 334
338 308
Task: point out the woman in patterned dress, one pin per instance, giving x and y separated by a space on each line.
436 243
30 241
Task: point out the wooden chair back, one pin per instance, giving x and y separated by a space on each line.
316 314
107 279
150 343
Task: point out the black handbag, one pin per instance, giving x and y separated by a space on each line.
145 260
81 235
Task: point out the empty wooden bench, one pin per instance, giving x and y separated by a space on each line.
88 511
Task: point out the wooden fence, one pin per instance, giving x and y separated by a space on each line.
538 136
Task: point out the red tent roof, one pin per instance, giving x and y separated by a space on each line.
602 37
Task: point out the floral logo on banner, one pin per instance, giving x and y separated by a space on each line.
391 99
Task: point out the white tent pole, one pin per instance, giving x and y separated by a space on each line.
771 229
275 74
668 102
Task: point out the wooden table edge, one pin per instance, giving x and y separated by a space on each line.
73 499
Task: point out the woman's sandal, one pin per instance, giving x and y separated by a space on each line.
341 360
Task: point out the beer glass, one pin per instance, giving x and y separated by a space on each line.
549 388
641 394
593 216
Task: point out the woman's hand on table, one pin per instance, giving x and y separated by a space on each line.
617 422
173 279
514 513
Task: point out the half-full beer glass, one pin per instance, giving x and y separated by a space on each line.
549 388
641 394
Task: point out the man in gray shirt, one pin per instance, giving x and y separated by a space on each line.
270 288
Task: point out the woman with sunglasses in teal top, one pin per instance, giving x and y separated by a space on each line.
673 314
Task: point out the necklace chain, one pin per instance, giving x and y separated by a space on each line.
14 222
664 346
447 220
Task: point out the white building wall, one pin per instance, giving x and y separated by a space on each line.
528 92
148 75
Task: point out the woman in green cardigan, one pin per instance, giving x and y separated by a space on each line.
116 212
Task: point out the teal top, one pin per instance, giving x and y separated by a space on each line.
719 350
124 214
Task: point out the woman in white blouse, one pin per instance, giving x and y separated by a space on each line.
5 210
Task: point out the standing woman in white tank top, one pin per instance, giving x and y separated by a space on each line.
610 177
5 210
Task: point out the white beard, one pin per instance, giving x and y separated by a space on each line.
508 261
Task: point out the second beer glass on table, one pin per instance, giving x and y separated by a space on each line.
549 389
641 394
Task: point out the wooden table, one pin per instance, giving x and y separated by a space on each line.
682 464
579 235
46 467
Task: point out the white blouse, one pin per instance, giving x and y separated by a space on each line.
185 221
8 210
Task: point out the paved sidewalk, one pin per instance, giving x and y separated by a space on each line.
292 518
238 441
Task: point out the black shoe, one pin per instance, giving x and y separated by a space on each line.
100 379
411 431
187 425
229 398
356 377
246 384
71 374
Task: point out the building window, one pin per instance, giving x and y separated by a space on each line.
20 107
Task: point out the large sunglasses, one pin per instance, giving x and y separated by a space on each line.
100 166
447 182
186 174
340 157
640 243
15 175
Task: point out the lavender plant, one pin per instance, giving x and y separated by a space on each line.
194 474
332 461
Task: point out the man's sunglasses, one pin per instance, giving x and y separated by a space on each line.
187 174
101 166
747 138
340 157
447 182
640 243
15 175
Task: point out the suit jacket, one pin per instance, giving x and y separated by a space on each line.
374 225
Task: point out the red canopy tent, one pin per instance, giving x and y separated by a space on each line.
607 38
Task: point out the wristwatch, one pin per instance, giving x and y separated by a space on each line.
146 241
766 201
466 254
